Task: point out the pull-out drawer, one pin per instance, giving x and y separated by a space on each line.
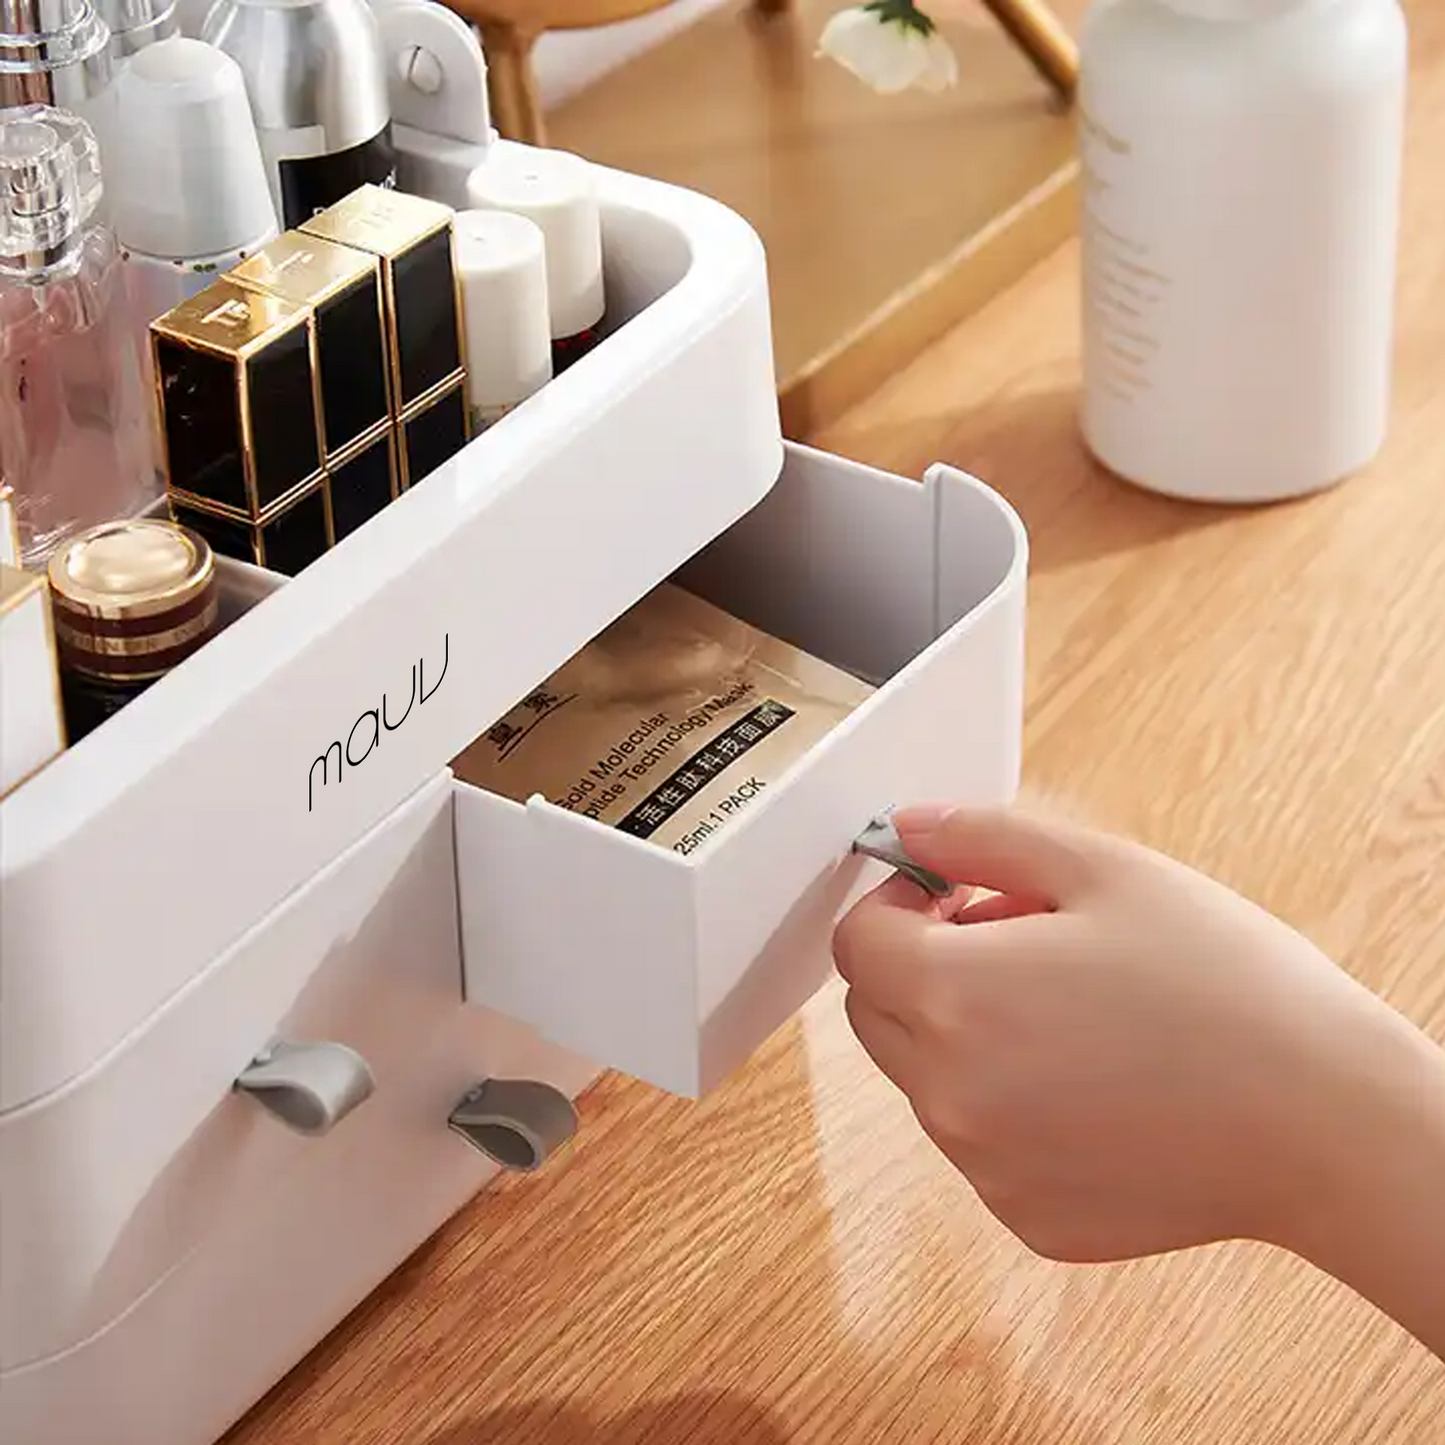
675 967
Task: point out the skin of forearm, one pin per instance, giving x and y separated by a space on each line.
1374 1216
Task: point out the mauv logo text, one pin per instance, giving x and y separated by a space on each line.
372 725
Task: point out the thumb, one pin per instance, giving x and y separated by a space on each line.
1003 850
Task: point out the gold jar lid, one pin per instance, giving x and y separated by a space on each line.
132 598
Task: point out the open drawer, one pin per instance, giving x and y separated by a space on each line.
675 968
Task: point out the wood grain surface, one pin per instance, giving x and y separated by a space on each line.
886 219
1261 693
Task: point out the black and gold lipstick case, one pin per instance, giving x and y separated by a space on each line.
363 479
342 287
240 409
306 390
237 393
433 430
287 539
411 239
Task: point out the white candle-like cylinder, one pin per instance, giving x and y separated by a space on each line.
502 271
558 191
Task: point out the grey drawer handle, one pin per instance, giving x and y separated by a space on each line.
309 1087
517 1123
880 840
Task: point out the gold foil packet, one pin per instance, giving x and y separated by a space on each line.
668 726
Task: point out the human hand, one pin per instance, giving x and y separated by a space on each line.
1122 1056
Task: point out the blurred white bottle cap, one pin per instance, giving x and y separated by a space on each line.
557 191
187 178
502 270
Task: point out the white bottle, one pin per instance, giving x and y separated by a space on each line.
189 192
1240 218
501 262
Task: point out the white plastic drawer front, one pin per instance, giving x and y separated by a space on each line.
168 1249
111 1182
675 968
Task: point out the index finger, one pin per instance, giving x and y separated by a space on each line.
895 942
882 942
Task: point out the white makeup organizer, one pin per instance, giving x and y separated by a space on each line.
186 887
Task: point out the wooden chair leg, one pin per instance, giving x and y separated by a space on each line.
511 86
1041 35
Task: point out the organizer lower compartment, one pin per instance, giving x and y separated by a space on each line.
113 1183
208 1339
168 1248
675 968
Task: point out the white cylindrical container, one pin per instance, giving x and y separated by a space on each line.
558 191
316 77
135 24
1241 187
190 192
502 273
191 198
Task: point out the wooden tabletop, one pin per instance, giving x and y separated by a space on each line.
1261 693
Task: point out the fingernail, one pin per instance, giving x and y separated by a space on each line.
920 820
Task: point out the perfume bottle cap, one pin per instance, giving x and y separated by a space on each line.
412 238
132 598
49 179
56 49
135 24
191 17
310 64
502 267
189 180
558 191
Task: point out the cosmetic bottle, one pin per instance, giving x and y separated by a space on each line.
501 262
53 52
57 53
32 724
75 438
132 600
1241 164
191 17
190 195
558 191
136 24
318 92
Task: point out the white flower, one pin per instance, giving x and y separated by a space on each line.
891 46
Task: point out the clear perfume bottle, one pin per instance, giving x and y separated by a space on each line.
76 439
